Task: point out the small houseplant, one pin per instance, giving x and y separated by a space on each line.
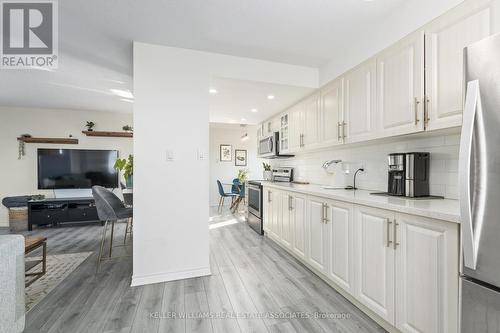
268 174
128 128
90 126
127 167
242 175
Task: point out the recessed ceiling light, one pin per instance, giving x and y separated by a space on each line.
254 110
122 93
212 91
126 100
270 96
243 119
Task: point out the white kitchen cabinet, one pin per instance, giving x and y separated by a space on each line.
375 261
298 223
317 234
286 217
339 226
400 87
304 127
445 39
332 113
426 275
284 143
360 122
272 212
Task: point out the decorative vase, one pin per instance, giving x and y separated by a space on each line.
129 182
268 175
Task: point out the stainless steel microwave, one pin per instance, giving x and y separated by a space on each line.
269 147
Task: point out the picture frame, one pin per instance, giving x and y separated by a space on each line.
225 153
240 157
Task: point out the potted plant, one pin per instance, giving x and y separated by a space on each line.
128 128
268 174
127 167
90 126
243 175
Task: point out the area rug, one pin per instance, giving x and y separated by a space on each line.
59 266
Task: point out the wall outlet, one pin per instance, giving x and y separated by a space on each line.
201 155
169 155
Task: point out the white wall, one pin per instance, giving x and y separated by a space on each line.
171 113
19 177
406 18
373 157
227 171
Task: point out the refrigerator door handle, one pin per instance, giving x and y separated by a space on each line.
469 241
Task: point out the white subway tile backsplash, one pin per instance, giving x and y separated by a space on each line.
373 158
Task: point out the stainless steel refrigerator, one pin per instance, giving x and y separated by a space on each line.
479 186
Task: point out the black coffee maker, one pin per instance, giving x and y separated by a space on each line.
396 171
409 174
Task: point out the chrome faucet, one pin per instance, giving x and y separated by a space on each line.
328 163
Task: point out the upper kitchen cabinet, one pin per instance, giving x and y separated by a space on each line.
445 39
284 128
304 124
360 103
332 113
400 87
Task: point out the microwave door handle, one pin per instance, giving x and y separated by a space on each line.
270 145
469 241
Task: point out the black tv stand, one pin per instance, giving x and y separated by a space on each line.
60 211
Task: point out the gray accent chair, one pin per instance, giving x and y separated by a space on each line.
110 209
12 311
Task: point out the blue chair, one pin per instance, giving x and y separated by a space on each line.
224 195
239 199
235 188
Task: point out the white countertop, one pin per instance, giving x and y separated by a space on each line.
441 209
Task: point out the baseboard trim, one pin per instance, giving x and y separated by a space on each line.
170 276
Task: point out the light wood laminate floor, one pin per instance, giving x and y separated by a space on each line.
251 277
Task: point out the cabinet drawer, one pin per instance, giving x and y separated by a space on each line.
48 216
83 214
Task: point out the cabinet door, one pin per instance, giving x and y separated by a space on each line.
298 222
296 128
284 133
400 73
360 103
445 40
375 261
310 137
340 240
316 234
285 234
332 112
267 210
426 275
276 213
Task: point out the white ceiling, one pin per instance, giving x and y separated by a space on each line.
235 100
95 39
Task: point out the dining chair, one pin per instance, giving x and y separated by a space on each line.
110 209
224 195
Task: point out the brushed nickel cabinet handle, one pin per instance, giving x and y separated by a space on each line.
322 213
395 234
426 110
326 213
388 232
343 130
338 131
269 196
417 102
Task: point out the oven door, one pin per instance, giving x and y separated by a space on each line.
255 200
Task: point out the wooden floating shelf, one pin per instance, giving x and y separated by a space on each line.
109 134
63 141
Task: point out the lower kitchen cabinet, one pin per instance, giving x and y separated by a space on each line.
316 233
374 265
426 275
339 226
298 224
403 268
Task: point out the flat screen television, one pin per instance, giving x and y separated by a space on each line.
76 169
